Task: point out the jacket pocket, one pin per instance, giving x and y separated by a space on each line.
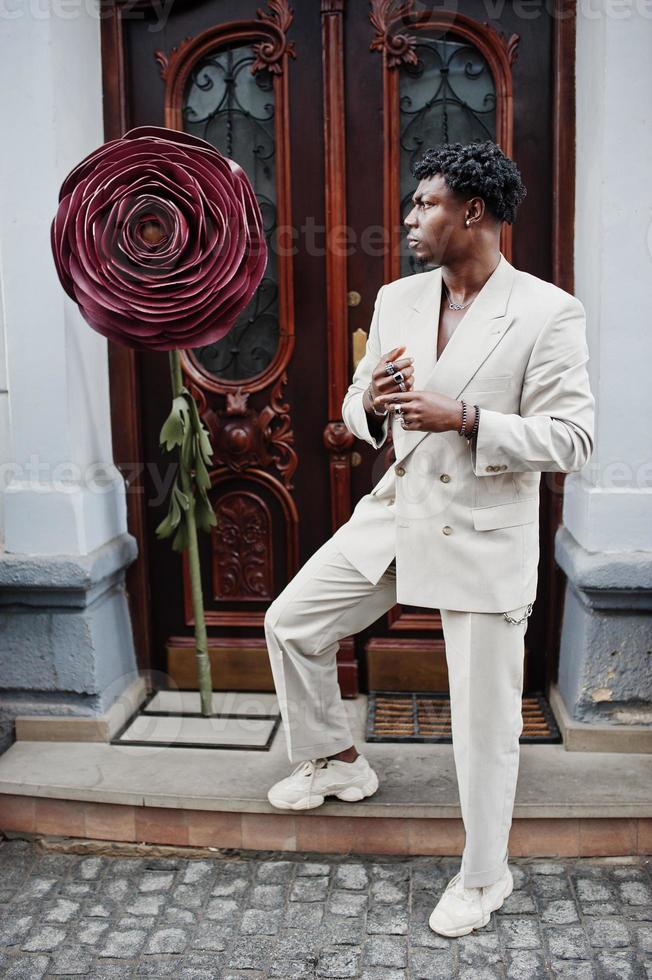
523 511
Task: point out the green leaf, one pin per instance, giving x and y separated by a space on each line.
169 523
172 430
164 529
180 542
205 445
204 441
202 478
184 428
186 458
183 498
204 513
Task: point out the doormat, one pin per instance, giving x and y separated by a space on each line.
418 716
173 719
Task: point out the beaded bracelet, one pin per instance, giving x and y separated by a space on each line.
474 427
476 424
462 428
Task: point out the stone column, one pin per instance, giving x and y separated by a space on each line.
605 545
66 644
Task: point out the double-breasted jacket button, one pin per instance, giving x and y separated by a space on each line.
399 470
446 529
445 478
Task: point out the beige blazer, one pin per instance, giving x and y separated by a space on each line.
462 519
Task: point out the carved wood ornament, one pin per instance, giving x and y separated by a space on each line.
242 555
243 559
243 437
270 50
387 15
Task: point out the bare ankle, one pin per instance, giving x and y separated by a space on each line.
346 755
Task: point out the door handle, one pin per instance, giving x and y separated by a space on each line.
359 345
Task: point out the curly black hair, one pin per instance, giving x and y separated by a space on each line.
476 169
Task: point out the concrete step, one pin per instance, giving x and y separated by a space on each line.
566 802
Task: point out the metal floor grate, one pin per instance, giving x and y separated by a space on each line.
426 717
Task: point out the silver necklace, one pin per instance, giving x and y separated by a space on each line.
456 306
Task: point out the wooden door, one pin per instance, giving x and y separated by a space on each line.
324 105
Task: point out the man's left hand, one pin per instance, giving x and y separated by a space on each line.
425 411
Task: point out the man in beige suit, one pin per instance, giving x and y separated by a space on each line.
481 371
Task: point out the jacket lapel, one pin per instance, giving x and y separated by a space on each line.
479 331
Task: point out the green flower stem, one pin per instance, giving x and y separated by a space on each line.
201 639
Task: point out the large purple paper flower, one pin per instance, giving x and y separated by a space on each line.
159 239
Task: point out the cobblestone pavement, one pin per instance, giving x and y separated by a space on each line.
244 914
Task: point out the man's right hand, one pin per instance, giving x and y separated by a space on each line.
383 383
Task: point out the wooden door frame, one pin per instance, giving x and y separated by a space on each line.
123 362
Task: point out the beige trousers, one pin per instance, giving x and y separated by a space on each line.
329 599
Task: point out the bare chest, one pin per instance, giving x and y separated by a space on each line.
447 324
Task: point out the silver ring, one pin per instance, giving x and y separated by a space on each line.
404 422
390 367
401 385
398 410
399 376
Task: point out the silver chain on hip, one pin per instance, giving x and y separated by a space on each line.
517 622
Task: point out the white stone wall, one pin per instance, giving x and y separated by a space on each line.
56 389
6 445
608 507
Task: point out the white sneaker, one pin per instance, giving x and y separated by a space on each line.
460 910
311 781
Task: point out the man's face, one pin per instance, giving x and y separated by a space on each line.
435 225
